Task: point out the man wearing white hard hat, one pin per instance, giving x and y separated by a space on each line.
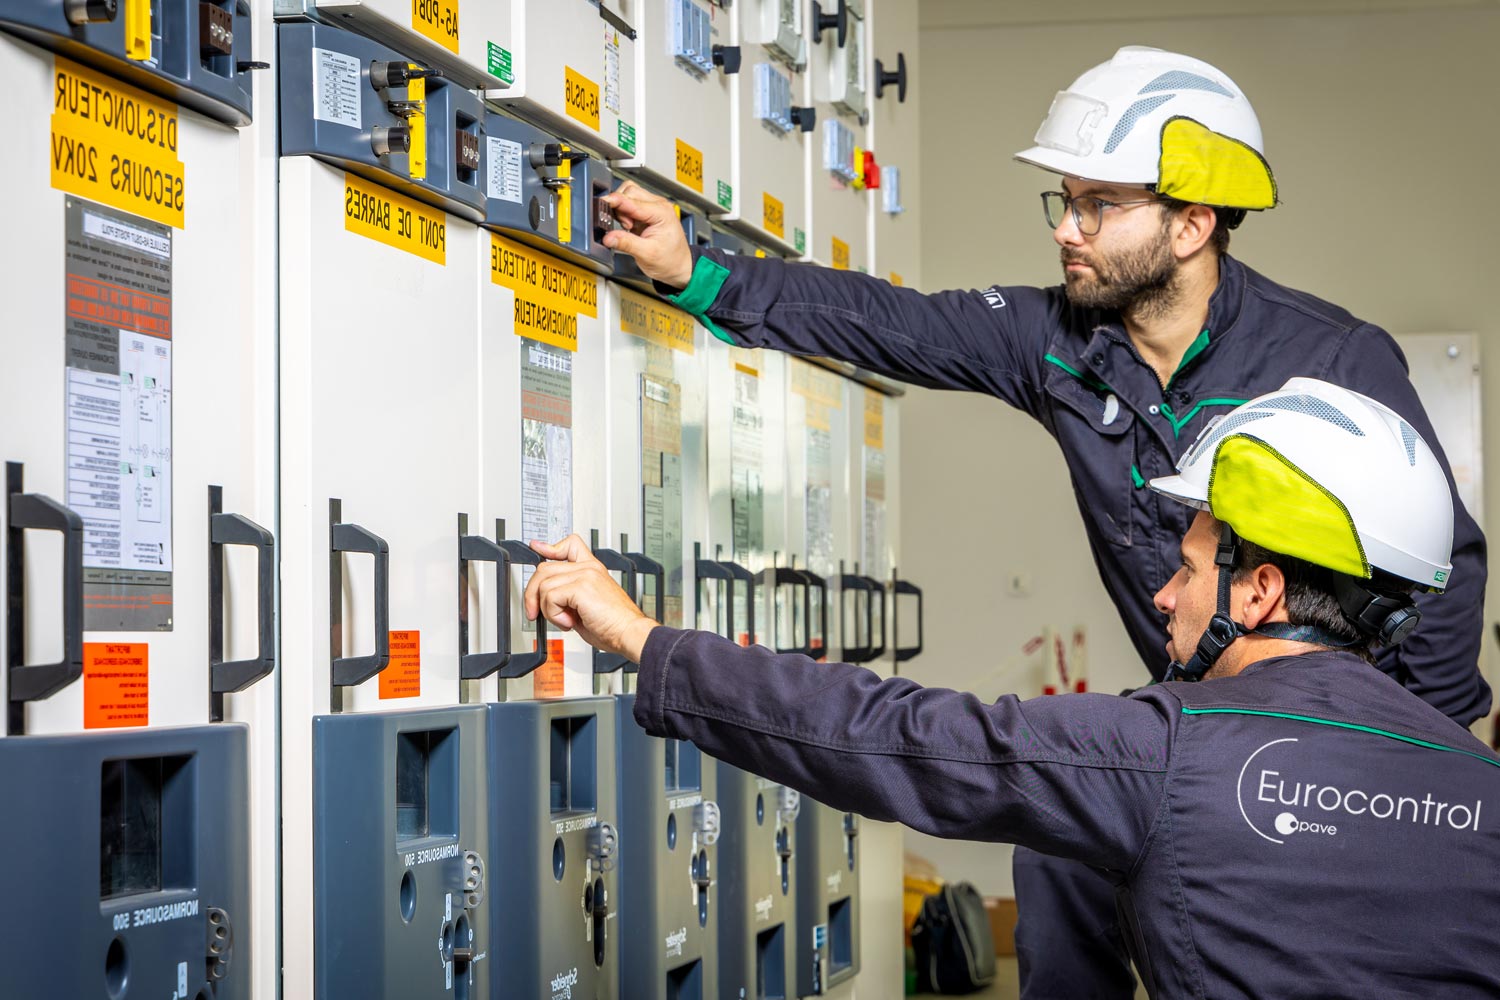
1292 824
1155 331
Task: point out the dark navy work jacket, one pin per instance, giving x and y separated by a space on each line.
1076 371
1305 829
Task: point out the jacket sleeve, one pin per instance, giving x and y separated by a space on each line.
988 341
1439 661
1080 776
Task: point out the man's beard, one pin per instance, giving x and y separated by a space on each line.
1139 281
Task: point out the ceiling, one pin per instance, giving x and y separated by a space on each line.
979 13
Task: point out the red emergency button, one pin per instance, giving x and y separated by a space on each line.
871 170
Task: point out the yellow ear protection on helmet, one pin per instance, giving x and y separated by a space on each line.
1202 166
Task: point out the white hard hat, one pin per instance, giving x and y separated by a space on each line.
1325 475
1163 119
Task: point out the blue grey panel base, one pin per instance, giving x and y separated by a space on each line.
827 898
668 826
757 898
166 912
399 831
553 849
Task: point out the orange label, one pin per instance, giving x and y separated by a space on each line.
402 677
547 681
581 97
773 215
116 689
689 166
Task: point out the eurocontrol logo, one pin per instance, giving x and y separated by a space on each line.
1274 802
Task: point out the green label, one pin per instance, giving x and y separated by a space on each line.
500 65
800 240
627 138
726 195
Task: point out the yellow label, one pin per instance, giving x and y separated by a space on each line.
565 199
382 215
840 255
543 279
437 20
819 415
656 323
689 166
773 216
539 318
116 145
817 383
138 30
874 419
416 93
859 170
581 97
897 280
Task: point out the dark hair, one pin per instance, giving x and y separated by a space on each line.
1225 219
1309 597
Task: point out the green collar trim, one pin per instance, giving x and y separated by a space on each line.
701 291
1135 477
1194 349
1083 377
1178 423
1338 725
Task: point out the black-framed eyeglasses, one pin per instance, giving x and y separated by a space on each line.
1088 211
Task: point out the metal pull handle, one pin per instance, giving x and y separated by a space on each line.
897 79
822 22
785 576
615 562
899 587
646 566
616 21
520 664
351 670
859 584
820 584
33 682
876 587
229 677
477 548
737 575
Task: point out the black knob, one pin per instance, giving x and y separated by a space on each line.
896 79
822 22
546 154
386 140
805 118
90 11
727 57
387 74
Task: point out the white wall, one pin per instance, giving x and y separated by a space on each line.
1382 132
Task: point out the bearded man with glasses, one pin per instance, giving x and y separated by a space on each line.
1155 332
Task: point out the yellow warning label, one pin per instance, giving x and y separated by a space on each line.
416 157
817 383
874 419
840 255
656 323
819 415
897 280
543 278
689 166
116 145
381 214
581 97
542 320
437 20
773 215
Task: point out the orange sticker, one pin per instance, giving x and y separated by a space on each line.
547 681
116 689
402 677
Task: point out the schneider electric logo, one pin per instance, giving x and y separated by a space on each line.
562 985
675 941
1277 805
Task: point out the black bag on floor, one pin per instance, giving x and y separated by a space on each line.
954 947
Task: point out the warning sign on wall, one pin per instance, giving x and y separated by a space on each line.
547 680
116 688
402 677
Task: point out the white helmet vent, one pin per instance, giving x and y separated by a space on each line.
1409 438
1313 407
1133 114
1182 80
1222 430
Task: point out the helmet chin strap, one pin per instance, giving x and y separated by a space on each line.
1223 630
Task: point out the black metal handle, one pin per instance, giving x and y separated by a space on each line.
820 584
727 58
615 562
520 664
616 21
822 22
854 582
805 118
739 574
351 670
229 677
32 682
646 566
876 587
896 79
477 548
899 587
784 576
730 574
